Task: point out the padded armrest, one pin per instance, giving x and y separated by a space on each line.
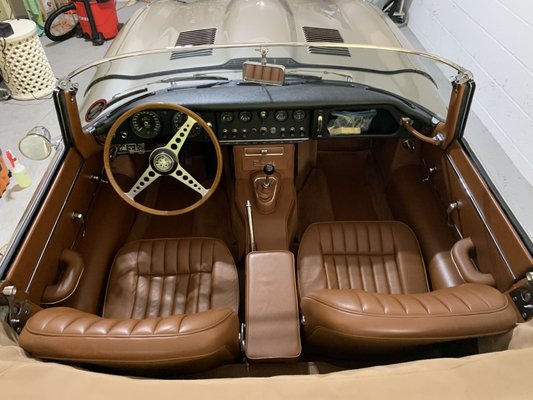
461 252
272 319
73 266
383 320
63 333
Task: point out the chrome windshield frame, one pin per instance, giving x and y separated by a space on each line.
462 73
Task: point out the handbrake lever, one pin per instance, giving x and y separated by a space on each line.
253 246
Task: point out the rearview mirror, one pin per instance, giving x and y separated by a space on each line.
37 144
267 74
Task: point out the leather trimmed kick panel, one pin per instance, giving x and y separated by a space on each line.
477 215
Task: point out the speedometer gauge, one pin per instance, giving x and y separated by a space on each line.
146 124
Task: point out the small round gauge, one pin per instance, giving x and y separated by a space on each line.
281 115
245 116
196 130
298 115
178 119
146 124
226 116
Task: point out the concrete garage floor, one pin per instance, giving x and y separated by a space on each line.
18 117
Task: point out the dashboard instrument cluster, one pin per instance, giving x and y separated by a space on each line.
149 128
156 126
263 125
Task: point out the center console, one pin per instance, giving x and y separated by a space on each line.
264 177
265 197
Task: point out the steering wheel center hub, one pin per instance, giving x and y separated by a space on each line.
163 161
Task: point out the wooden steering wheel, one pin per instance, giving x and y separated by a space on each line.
164 161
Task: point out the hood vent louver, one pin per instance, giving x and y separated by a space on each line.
195 38
313 34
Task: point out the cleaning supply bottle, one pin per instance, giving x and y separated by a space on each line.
5 174
19 171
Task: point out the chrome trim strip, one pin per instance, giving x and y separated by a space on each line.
457 231
263 141
480 214
52 231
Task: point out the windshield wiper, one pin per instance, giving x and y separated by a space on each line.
290 79
201 86
133 92
294 79
194 78
215 80
123 95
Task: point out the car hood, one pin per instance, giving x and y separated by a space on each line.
254 21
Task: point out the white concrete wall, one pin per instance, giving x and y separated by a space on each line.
492 38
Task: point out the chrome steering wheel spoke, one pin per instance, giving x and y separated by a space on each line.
149 176
184 177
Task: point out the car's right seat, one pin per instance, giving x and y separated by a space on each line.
363 287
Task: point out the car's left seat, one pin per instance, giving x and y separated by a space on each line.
170 303
363 287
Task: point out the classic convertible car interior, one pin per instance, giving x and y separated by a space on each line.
212 227
355 240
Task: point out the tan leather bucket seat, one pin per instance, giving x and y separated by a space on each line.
169 303
363 287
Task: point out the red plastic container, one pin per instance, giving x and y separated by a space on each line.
98 20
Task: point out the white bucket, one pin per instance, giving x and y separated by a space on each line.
25 68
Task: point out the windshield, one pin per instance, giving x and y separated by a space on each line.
417 77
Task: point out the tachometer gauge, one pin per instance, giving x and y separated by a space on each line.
178 120
196 130
146 124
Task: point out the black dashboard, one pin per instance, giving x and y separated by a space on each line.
254 114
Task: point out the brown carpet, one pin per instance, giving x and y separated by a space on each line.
344 186
314 204
345 173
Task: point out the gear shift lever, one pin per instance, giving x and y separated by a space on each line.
268 169
266 188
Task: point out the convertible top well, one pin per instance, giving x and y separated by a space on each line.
497 375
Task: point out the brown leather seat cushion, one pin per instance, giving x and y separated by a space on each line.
186 343
381 257
363 287
356 320
169 303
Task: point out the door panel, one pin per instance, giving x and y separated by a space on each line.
478 215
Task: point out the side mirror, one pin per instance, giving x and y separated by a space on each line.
37 144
